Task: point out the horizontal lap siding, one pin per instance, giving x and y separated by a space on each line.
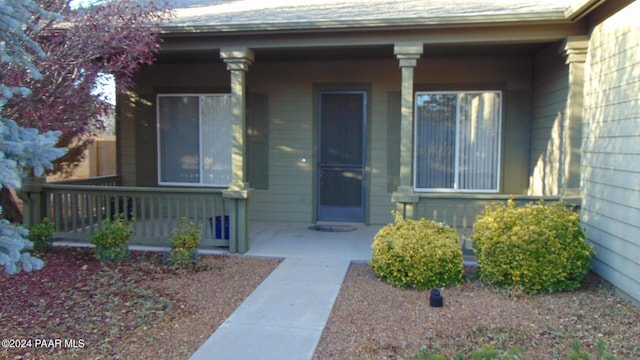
292 134
289 196
379 194
512 74
290 86
125 150
611 149
550 91
288 90
137 131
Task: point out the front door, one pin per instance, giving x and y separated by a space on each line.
341 160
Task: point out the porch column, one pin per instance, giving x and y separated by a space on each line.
238 61
405 198
574 49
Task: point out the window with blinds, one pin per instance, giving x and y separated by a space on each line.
457 137
194 140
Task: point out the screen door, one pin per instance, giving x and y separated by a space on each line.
341 160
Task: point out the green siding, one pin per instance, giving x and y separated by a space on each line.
393 141
611 150
550 91
379 157
258 141
515 144
146 145
281 166
289 155
125 140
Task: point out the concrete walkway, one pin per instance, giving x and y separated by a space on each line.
285 315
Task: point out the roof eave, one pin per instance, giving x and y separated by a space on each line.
406 23
580 8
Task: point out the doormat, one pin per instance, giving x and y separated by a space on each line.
332 228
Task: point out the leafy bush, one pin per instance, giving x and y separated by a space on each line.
112 241
41 235
417 253
536 248
185 239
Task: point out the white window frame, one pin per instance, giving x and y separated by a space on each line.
456 189
200 139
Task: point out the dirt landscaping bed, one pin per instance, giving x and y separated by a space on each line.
141 309
79 308
374 320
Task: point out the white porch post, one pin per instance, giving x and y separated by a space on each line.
574 49
405 198
238 61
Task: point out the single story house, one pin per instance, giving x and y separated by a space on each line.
344 110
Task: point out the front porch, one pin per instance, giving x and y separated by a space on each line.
78 208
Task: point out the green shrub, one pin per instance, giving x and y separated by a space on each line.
536 248
417 253
112 242
41 235
185 239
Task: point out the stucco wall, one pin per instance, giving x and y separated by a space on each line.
611 149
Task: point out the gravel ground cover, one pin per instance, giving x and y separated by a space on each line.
79 308
143 310
374 320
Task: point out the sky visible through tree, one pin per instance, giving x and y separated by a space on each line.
105 85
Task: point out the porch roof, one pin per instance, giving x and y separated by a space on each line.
291 15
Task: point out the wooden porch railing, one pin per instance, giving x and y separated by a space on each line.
109 180
78 208
460 211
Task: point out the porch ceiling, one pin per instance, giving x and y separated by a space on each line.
351 53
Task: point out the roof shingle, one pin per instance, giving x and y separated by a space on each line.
227 13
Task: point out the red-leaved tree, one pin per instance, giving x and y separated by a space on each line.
112 37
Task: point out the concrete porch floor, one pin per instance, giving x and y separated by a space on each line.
277 239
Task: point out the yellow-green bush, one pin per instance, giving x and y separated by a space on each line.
112 242
420 254
535 248
185 239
